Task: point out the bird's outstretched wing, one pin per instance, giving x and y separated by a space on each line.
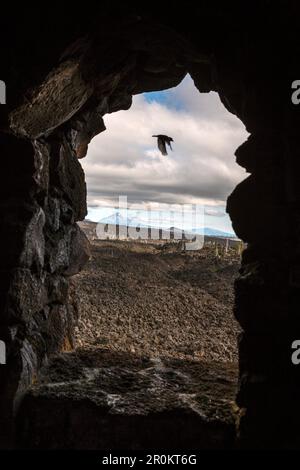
162 146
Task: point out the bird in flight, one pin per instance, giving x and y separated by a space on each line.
162 140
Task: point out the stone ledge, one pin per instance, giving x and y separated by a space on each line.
102 400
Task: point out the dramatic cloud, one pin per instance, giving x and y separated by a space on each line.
124 160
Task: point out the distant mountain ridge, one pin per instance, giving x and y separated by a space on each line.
118 219
213 232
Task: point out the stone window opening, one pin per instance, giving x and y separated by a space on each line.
134 315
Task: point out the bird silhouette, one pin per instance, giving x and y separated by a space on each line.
162 140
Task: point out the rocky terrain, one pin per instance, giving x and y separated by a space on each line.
157 301
155 364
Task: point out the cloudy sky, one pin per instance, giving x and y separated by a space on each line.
124 160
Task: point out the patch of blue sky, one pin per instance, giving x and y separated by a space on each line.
165 98
170 97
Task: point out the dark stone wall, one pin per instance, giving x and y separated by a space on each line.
265 212
89 62
42 196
